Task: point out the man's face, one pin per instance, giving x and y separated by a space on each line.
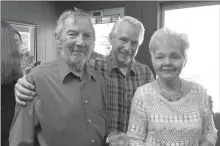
77 40
125 43
17 42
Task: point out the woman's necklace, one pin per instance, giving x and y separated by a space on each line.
171 98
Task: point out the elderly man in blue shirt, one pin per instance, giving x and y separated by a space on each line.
70 105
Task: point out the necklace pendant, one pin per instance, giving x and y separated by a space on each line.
171 98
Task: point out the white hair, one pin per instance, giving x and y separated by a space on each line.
75 14
165 36
132 21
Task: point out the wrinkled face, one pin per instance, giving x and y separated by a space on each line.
77 40
168 62
17 42
125 42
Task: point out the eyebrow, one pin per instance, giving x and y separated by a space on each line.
174 53
72 30
160 53
124 37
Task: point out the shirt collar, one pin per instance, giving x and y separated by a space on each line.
65 70
112 65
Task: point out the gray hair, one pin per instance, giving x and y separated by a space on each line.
166 36
75 14
132 21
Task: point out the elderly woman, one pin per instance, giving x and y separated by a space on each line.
170 111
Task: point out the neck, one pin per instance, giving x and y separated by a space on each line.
169 85
119 64
78 69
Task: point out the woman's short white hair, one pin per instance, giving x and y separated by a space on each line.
132 21
75 14
165 36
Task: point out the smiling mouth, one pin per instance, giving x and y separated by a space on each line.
77 51
168 70
126 54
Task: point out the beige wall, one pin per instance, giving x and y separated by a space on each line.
42 14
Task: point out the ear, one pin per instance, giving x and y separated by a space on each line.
58 40
110 37
93 46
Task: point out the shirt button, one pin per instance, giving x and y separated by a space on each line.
89 121
93 141
86 101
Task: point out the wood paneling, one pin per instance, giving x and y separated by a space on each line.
41 13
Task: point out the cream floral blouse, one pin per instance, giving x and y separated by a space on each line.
154 121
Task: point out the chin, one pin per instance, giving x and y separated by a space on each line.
169 77
123 61
75 61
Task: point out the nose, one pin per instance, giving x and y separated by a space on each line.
80 41
167 61
128 47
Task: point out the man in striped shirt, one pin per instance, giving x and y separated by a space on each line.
122 73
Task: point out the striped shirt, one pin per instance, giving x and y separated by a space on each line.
121 88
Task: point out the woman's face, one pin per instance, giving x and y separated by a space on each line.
18 41
168 61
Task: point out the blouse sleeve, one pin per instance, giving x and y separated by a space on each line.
138 120
209 132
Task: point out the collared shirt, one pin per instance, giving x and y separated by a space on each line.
121 88
66 111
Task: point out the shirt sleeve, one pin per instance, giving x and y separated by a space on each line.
209 132
23 125
22 128
138 120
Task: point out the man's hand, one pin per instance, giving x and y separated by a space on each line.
24 91
118 139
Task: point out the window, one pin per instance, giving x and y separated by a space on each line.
202 25
28 36
103 22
